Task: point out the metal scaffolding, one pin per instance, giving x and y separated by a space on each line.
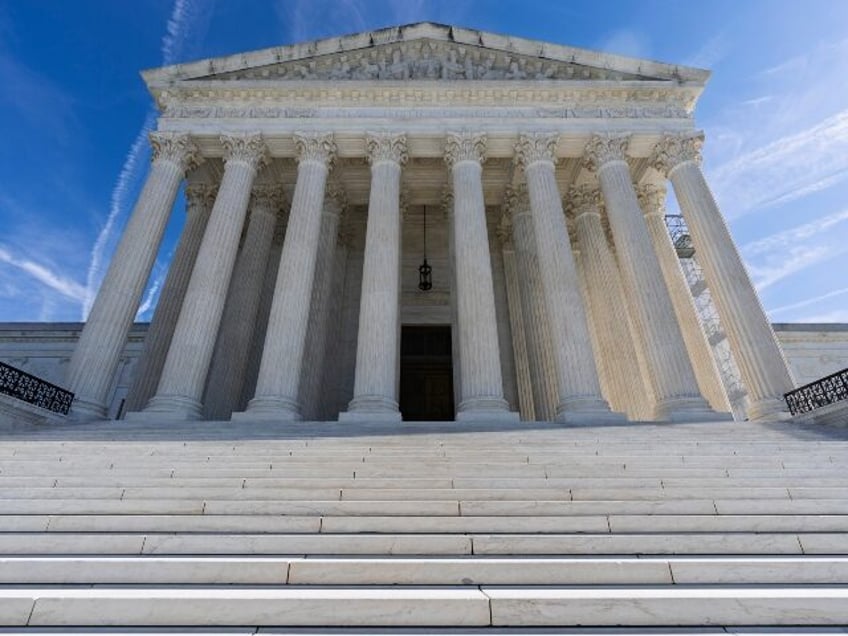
717 338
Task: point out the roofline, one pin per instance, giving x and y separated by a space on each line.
422 30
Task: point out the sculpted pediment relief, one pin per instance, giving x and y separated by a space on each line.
425 60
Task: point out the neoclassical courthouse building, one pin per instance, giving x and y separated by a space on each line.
426 222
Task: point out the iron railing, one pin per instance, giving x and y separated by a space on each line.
828 390
28 388
679 235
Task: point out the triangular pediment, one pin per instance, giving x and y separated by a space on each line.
425 52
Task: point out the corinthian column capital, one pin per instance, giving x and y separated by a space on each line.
517 200
533 147
504 231
465 146
200 197
267 196
312 147
249 149
603 149
335 194
583 199
673 150
177 148
651 198
386 147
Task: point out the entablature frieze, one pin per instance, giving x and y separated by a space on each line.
350 144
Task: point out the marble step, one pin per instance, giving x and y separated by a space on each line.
241 570
61 506
423 606
418 524
733 543
426 494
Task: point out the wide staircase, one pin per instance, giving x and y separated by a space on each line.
424 528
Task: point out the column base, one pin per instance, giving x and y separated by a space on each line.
371 408
486 409
170 407
83 410
587 411
690 409
268 408
767 409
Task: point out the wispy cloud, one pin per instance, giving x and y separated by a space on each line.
44 275
782 254
712 52
815 300
786 169
174 41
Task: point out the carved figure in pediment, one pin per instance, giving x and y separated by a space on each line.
398 69
515 71
368 69
451 67
546 71
342 71
487 70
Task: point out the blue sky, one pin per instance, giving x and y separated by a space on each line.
74 115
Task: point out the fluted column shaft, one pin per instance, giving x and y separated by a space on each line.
608 308
517 325
375 385
232 349
316 334
534 310
96 356
280 371
652 200
199 200
676 390
755 348
578 386
482 382
184 374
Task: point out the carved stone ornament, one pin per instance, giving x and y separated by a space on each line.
651 198
426 60
335 195
674 150
504 231
249 149
603 149
583 199
200 197
386 147
312 147
447 202
177 148
517 199
465 146
536 147
404 199
267 196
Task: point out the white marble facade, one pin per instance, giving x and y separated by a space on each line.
541 171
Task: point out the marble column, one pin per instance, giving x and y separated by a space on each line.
678 397
752 340
447 207
311 391
199 197
579 396
617 356
278 384
532 296
96 356
375 386
481 393
516 321
652 201
184 374
232 349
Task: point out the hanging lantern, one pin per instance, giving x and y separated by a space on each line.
425 280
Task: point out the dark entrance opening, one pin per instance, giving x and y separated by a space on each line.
426 374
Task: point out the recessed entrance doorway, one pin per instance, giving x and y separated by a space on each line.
426 374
